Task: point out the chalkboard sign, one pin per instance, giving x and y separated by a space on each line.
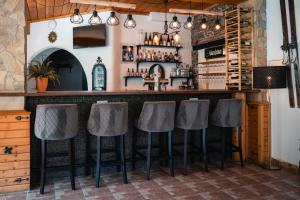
214 52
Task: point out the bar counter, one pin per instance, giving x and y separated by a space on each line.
84 99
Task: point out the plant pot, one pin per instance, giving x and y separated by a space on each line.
41 84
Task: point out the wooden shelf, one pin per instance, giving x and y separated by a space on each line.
158 46
212 62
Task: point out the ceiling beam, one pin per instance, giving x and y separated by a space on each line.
215 1
195 12
105 3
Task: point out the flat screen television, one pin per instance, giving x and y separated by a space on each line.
89 36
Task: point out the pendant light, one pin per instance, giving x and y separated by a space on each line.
95 19
112 20
174 24
203 23
129 22
189 24
217 24
76 18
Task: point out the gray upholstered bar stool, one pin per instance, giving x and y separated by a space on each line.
192 115
56 122
109 120
155 117
228 114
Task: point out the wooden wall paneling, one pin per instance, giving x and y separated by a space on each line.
66 8
50 8
41 9
32 10
58 7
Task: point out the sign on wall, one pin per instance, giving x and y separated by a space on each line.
214 52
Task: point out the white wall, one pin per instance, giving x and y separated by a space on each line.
285 121
111 54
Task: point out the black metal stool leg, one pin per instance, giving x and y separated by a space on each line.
149 156
98 167
88 165
192 145
71 160
161 146
117 152
240 145
133 148
170 152
185 153
43 165
230 143
123 158
204 149
223 147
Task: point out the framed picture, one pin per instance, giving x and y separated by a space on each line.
127 53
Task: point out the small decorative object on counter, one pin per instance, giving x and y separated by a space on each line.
42 72
99 76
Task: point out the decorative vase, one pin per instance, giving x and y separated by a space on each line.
41 84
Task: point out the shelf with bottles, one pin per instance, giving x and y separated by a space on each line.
239 48
156 39
157 56
134 74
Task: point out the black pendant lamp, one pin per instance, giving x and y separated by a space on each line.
218 25
95 19
203 23
113 20
76 17
189 23
129 22
175 24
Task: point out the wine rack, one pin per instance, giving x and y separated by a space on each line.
239 48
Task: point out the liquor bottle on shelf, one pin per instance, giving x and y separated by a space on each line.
168 41
128 72
172 42
137 73
164 42
146 39
132 72
150 39
160 40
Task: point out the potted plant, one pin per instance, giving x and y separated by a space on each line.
42 72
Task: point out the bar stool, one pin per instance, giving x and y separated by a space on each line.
56 122
155 117
109 120
228 114
192 115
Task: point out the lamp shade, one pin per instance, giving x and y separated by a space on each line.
269 77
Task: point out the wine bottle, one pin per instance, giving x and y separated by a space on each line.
146 39
128 72
168 41
150 39
132 72
160 40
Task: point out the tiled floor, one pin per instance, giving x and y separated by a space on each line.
252 182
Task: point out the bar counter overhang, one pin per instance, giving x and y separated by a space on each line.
84 100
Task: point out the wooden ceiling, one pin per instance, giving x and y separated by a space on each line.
40 10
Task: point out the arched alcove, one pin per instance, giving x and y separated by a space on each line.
68 67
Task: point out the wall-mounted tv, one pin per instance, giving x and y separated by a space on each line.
89 36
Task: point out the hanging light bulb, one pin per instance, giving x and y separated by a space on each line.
113 20
176 38
95 19
76 18
203 23
217 24
188 24
174 24
129 22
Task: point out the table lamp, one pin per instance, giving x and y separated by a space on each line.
273 77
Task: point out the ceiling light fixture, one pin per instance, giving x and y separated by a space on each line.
95 19
218 25
112 20
129 22
175 24
203 23
189 24
76 17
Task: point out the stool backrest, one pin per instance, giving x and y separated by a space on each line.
192 114
108 119
56 121
157 116
228 113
